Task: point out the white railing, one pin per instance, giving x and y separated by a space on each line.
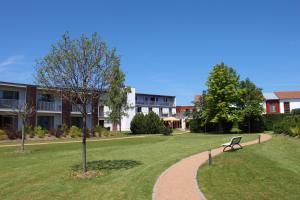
48 106
10 103
78 108
155 103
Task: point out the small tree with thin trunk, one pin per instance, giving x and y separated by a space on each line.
80 70
117 95
25 111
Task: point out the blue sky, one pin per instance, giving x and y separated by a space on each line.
166 47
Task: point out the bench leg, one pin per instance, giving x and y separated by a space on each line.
226 147
240 146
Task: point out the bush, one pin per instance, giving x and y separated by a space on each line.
296 111
166 131
289 125
75 132
153 123
294 131
235 128
146 124
195 126
270 120
39 131
100 131
62 130
3 135
138 124
29 130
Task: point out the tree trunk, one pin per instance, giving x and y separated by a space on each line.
23 138
120 123
84 169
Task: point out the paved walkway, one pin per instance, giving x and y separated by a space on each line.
74 141
179 182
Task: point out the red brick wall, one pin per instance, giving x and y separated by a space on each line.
31 100
66 110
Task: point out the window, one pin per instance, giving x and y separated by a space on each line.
150 109
166 99
139 109
272 107
5 94
286 106
46 97
152 99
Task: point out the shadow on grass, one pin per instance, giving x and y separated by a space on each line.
108 165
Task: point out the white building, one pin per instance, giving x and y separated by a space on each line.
281 102
52 110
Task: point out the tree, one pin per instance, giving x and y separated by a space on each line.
117 95
251 102
79 69
222 96
25 111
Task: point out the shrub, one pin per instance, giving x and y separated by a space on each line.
146 124
138 124
295 131
75 132
166 131
3 134
100 131
270 120
62 130
288 125
195 126
29 130
39 131
153 123
296 111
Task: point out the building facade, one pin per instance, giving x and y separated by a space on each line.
51 110
164 106
281 102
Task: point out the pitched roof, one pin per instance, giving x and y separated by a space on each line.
270 96
288 95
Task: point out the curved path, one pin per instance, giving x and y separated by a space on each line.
179 182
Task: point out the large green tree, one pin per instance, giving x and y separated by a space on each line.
80 68
223 95
251 104
117 95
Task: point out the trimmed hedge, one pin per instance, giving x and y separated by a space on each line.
271 119
290 125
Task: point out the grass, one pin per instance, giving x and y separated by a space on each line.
267 171
130 167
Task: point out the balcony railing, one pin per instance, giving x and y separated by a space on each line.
155 103
79 108
10 103
48 106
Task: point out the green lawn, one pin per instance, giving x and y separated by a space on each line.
130 167
267 171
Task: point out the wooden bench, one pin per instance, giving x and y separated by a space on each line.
234 141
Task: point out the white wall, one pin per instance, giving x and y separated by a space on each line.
125 122
145 110
294 103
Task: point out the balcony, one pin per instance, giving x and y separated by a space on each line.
48 106
78 108
155 103
10 104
